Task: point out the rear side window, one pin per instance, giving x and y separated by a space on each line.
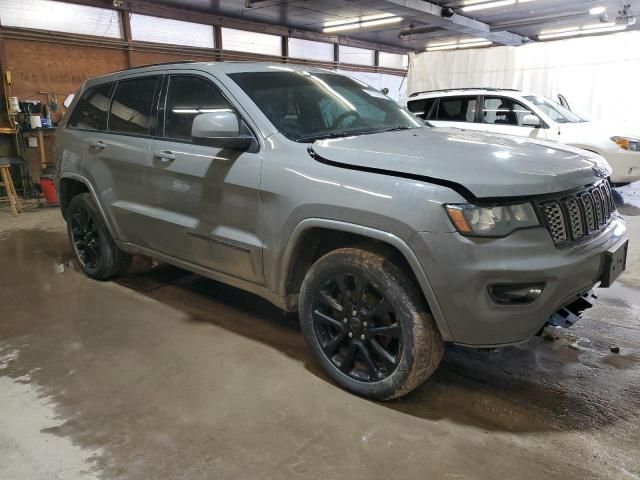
131 106
423 108
91 110
504 111
457 109
188 97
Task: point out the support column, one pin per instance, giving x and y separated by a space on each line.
285 49
125 21
217 42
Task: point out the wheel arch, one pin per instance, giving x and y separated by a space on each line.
71 184
308 241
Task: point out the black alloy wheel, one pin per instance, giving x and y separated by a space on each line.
356 327
367 323
85 239
93 246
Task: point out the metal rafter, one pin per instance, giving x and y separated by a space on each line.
431 15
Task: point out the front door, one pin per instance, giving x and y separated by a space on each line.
505 116
208 198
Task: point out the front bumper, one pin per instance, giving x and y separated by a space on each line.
625 165
460 270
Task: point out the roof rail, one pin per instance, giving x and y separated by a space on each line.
491 89
160 64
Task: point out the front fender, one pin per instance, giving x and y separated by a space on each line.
379 235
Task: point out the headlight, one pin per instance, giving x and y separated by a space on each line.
626 143
497 221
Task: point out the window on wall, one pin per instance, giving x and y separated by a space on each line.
394 60
356 56
251 42
188 97
174 32
131 106
299 48
60 17
91 110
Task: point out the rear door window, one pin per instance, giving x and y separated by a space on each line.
188 97
457 109
504 111
92 109
132 105
423 108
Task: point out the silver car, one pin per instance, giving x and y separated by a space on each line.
320 194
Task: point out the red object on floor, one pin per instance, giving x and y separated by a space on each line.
49 190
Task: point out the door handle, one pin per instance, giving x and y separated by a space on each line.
165 156
99 145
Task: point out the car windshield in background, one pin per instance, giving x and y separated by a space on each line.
308 106
554 110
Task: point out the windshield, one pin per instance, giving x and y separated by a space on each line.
307 106
553 110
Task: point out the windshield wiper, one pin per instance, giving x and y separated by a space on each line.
322 136
349 133
396 129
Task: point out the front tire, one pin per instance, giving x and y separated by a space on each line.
91 243
368 325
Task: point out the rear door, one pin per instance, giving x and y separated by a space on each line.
505 115
207 199
123 159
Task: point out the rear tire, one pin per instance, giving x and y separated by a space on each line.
368 325
91 243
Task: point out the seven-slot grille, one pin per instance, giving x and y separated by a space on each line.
576 216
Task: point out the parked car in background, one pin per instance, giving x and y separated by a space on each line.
325 196
512 112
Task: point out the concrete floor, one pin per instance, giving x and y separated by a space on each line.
167 375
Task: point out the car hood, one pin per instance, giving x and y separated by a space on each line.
485 165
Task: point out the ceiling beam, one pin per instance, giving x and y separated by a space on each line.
431 15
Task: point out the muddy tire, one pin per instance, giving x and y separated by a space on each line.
368 325
91 243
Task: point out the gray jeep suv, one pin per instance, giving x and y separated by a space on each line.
322 195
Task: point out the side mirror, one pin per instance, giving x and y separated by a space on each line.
385 91
531 121
220 129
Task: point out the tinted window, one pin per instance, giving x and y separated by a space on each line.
457 109
504 111
131 106
306 106
423 108
91 110
188 97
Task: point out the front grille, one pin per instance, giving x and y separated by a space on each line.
574 217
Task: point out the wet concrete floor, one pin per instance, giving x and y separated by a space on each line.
166 375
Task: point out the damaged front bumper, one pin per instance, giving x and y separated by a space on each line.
567 316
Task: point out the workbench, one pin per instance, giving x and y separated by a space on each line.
39 133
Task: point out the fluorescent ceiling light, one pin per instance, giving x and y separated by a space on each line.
360 22
587 30
576 28
380 22
599 25
339 28
469 43
377 16
482 6
597 10
472 40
